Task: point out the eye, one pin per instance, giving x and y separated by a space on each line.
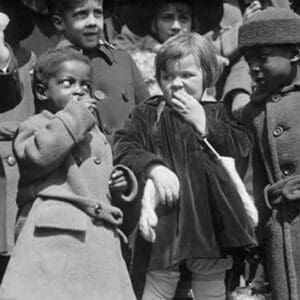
185 18
187 75
81 14
166 77
66 83
167 17
98 13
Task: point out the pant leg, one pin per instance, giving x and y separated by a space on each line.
208 277
160 285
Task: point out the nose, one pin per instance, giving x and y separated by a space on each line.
78 91
176 84
176 25
91 20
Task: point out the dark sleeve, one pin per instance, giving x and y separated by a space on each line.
140 88
130 143
225 134
10 86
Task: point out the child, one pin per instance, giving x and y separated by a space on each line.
162 141
80 25
69 246
270 42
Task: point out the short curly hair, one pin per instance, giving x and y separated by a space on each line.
182 45
47 66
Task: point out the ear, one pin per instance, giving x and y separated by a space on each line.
40 92
58 23
296 56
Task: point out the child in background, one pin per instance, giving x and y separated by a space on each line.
270 42
69 246
162 141
80 25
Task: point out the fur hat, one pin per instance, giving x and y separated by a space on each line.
272 26
138 14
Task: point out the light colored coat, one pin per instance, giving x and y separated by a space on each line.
63 252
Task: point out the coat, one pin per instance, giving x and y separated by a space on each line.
154 134
275 171
72 250
16 106
116 75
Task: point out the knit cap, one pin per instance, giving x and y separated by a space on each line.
271 26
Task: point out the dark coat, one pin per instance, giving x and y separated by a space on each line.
202 224
16 106
62 252
116 75
276 170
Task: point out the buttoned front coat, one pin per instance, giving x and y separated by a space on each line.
207 218
275 172
62 252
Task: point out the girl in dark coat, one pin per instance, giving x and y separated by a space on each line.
199 215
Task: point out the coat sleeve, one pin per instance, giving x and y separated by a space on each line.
130 143
10 86
44 140
226 135
140 87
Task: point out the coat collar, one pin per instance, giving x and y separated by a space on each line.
104 49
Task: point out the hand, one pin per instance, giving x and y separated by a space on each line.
118 181
88 102
166 183
253 8
240 99
190 109
4 52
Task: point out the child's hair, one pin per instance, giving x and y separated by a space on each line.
182 45
270 27
60 7
47 66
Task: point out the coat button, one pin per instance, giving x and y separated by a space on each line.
97 160
275 97
99 95
288 169
11 161
278 131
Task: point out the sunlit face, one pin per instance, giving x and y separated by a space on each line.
83 24
183 74
172 19
72 81
270 67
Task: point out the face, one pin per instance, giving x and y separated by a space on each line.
83 24
183 74
172 19
72 81
270 67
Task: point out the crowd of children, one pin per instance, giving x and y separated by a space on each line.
85 152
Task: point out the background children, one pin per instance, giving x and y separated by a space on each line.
270 42
162 141
80 25
69 247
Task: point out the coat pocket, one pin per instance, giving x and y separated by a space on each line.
53 214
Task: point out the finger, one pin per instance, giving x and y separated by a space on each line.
161 195
117 180
169 197
177 104
121 186
117 173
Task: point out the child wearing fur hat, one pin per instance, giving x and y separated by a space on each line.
270 43
69 246
162 141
